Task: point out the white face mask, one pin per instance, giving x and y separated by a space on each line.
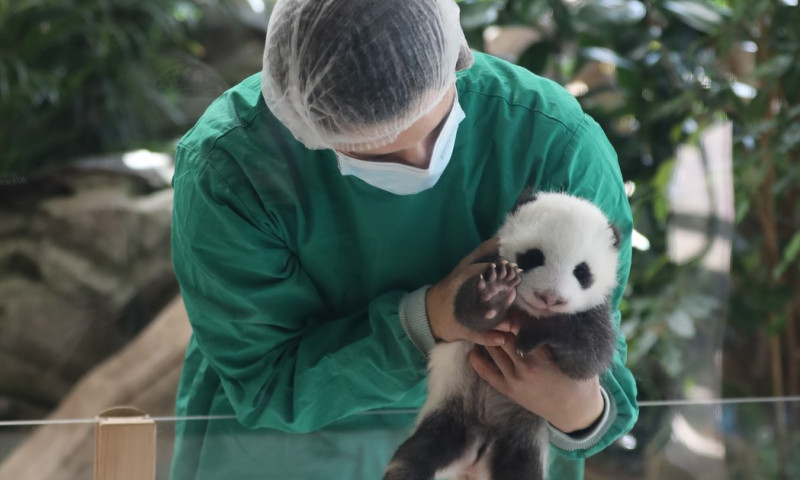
404 179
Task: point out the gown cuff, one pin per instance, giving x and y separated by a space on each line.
586 439
414 319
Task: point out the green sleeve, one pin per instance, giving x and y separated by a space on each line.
261 324
591 170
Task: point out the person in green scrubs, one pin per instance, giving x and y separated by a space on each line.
326 211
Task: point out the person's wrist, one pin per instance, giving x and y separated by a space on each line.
583 416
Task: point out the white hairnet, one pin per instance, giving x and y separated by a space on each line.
353 74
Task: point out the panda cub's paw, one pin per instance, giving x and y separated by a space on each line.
482 301
497 289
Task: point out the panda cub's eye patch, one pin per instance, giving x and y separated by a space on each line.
530 259
584 275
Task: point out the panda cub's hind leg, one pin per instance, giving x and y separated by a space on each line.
520 451
443 440
482 301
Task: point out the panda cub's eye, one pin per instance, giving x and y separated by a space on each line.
530 259
584 275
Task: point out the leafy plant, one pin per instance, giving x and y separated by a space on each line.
82 76
643 71
656 74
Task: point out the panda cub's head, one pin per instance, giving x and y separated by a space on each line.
567 250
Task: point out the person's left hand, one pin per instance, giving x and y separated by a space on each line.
537 385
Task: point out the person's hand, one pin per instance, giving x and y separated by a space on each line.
440 302
536 384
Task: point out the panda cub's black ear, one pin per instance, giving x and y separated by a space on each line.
615 231
527 196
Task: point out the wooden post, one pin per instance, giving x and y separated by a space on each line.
125 445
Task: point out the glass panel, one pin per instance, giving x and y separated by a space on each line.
673 440
47 450
356 449
10 437
732 440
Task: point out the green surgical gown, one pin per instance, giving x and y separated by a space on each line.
292 273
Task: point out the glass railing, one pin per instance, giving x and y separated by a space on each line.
689 439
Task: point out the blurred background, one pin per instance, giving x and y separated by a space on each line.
700 98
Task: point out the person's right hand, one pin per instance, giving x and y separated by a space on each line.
440 302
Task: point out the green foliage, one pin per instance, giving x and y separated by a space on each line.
647 69
655 74
667 69
752 441
82 76
766 264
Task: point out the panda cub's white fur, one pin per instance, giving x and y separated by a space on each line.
570 230
567 251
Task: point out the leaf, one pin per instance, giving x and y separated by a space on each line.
672 361
660 182
698 15
793 112
787 182
681 324
605 55
535 57
629 327
480 13
642 345
656 267
679 105
774 67
699 306
790 253
790 138
608 13
776 324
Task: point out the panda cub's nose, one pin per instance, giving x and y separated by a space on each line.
550 298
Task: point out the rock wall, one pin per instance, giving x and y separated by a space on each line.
143 374
84 266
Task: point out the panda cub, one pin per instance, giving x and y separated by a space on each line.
557 264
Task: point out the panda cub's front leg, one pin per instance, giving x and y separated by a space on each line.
482 301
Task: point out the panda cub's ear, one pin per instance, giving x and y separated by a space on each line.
615 231
527 196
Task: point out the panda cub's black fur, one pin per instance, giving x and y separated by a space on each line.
566 252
